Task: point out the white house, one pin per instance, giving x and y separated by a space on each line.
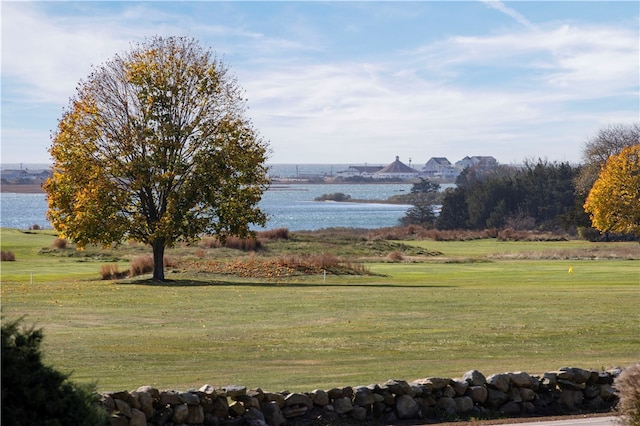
439 168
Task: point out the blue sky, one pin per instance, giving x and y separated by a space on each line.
355 82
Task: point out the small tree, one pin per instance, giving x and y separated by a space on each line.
614 201
35 394
424 195
155 147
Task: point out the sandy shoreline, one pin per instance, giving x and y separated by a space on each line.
22 189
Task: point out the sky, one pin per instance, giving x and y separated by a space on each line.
354 82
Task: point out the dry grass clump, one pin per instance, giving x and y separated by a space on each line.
395 256
231 242
144 264
7 256
110 272
274 234
60 243
627 385
509 234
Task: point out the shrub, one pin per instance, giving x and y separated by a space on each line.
35 394
144 264
141 265
338 196
60 243
244 244
34 228
8 256
627 385
110 271
274 234
395 256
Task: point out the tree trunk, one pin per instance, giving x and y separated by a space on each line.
158 260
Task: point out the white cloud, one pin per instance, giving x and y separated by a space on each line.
500 6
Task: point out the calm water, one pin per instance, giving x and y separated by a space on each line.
288 206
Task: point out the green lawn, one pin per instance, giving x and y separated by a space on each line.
482 305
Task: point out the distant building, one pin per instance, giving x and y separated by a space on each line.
396 170
485 162
439 168
359 171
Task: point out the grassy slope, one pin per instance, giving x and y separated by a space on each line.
440 316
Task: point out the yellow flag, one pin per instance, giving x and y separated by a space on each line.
571 269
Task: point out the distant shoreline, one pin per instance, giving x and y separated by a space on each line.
22 188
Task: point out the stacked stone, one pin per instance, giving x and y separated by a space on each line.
506 394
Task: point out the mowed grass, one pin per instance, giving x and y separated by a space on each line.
483 304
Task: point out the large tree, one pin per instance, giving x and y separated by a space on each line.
614 201
155 147
609 140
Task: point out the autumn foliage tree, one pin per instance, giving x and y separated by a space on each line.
155 147
614 200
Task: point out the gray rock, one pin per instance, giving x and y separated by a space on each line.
399 387
298 399
511 408
474 378
256 393
577 375
569 384
607 392
254 414
460 386
500 382
236 409
169 398
406 407
448 405
359 414
363 397
320 398
520 380
272 414
146 403
495 398
189 398
118 420
235 390
527 394
294 411
209 390
342 405
274 397
180 413
478 394
137 418
448 392
123 408
464 404
570 398
196 415
155 393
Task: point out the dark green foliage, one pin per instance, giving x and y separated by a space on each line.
35 394
424 196
537 196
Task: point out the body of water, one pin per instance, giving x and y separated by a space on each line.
288 206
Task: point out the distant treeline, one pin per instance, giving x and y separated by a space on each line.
536 196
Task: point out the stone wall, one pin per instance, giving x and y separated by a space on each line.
567 390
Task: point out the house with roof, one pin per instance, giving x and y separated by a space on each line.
439 168
396 170
359 171
485 162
